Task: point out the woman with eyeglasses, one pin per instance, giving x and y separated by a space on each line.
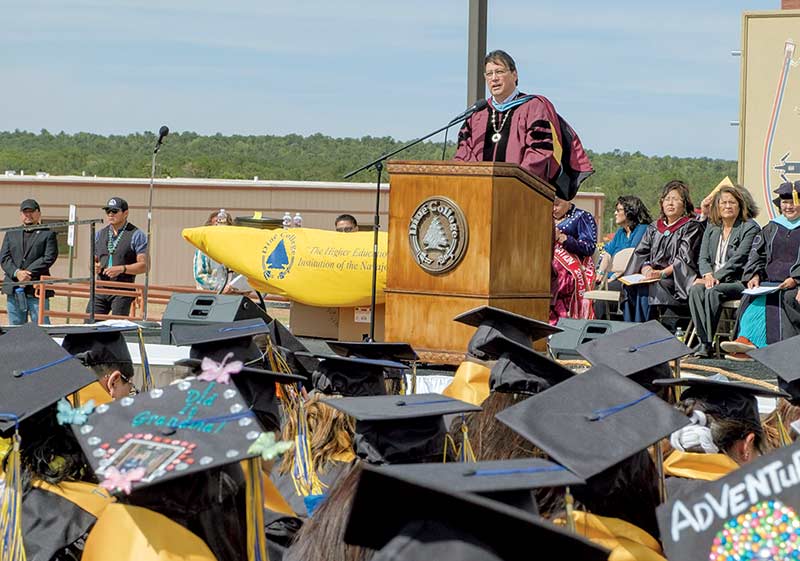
723 254
666 257
632 218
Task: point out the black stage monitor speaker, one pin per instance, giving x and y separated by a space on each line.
202 309
578 331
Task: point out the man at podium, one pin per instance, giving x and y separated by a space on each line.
523 129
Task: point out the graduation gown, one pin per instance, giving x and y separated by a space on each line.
536 138
685 471
774 257
626 541
680 249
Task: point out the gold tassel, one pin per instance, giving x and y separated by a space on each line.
413 378
256 540
468 454
147 379
795 197
11 546
784 434
307 483
569 503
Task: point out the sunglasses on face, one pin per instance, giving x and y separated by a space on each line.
112 211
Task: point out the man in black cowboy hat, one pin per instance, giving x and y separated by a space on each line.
26 255
120 253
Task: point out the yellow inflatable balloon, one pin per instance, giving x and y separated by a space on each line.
313 267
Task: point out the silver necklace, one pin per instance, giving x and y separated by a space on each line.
497 136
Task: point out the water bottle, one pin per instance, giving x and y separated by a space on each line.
680 335
222 217
297 221
22 299
287 220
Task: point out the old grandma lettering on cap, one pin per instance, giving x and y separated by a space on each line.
752 513
188 427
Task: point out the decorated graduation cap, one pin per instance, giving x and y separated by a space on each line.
641 352
593 421
508 481
351 376
752 513
428 520
400 429
37 373
787 190
187 428
724 398
227 343
783 359
489 320
98 344
519 369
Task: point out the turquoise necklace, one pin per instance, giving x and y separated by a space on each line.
113 242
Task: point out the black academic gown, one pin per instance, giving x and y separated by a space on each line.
681 250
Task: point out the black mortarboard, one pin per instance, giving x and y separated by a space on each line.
508 481
750 514
287 344
490 320
593 421
352 377
724 398
787 190
37 373
782 358
428 521
400 429
519 369
383 351
638 352
96 344
187 427
215 341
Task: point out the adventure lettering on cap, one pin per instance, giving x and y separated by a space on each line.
752 513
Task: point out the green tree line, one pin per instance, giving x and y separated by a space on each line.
314 158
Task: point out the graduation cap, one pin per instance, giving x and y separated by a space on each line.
787 190
782 358
217 341
420 521
384 351
641 352
490 320
724 398
507 481
186 430
593 421
519 369
288 345
97 344
352 377
751 513
400 429
37 373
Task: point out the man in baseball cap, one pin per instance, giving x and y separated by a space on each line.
26 255
120 253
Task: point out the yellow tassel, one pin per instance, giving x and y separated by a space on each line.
307 483
466 446
413 378
11 545
569 503
784 434
256 541
449 445
147 379
795 197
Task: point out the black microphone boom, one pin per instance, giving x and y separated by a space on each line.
474 108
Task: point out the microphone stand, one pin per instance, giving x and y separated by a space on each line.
149 222
378 165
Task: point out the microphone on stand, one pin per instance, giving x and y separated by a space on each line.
162 132
474 108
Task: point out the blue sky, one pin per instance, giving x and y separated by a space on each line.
656 77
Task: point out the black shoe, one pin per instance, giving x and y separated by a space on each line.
702 351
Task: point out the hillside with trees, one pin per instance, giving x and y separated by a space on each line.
313 158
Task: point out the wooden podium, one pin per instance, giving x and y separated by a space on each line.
509 221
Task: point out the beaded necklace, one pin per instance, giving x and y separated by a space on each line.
113 242
498 130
